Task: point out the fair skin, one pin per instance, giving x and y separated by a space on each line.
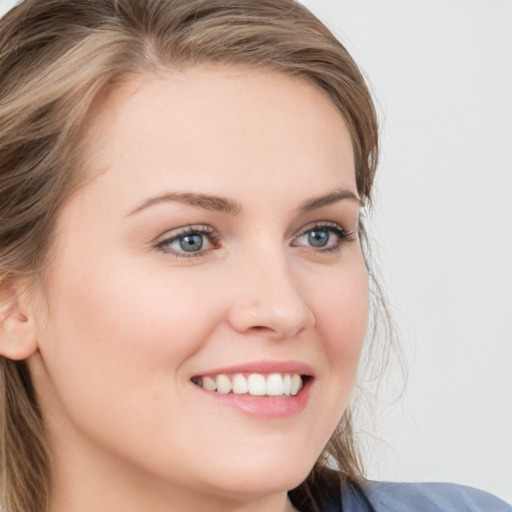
135 312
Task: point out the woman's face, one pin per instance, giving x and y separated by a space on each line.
216 241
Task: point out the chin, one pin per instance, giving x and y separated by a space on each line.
256 485
255 477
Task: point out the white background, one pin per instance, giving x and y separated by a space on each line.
442 74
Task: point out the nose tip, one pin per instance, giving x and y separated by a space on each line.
277 308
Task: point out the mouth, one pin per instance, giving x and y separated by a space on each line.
253 384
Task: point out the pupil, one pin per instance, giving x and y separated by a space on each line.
191 243
318 238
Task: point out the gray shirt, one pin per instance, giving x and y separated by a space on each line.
416 497
372 496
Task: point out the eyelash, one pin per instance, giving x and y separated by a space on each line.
214 239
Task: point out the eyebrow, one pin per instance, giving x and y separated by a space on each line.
225 205
325 200
204 201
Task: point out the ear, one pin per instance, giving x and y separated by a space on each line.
18 339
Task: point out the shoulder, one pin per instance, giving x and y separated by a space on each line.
419 497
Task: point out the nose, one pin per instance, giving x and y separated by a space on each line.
267 298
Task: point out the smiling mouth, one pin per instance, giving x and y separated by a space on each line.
254 384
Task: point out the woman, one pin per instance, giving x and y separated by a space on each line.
184 286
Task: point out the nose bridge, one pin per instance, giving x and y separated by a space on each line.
268 295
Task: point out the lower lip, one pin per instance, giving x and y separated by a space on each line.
263 406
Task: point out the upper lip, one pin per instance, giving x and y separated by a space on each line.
264 367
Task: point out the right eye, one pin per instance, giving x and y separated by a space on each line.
189 242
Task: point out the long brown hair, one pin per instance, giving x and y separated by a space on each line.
56 58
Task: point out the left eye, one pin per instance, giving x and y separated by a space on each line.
323 237
317 237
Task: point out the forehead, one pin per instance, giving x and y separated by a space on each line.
220 122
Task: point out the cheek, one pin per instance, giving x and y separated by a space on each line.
342 318
341 312
118 331
342 315
116 352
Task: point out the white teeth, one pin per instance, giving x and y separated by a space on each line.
257 384
287 385
209 384
296 384
275 384
223 384
240 385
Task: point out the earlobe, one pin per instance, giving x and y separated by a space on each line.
18 339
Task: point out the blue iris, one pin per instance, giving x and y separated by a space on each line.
318 238
191 243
